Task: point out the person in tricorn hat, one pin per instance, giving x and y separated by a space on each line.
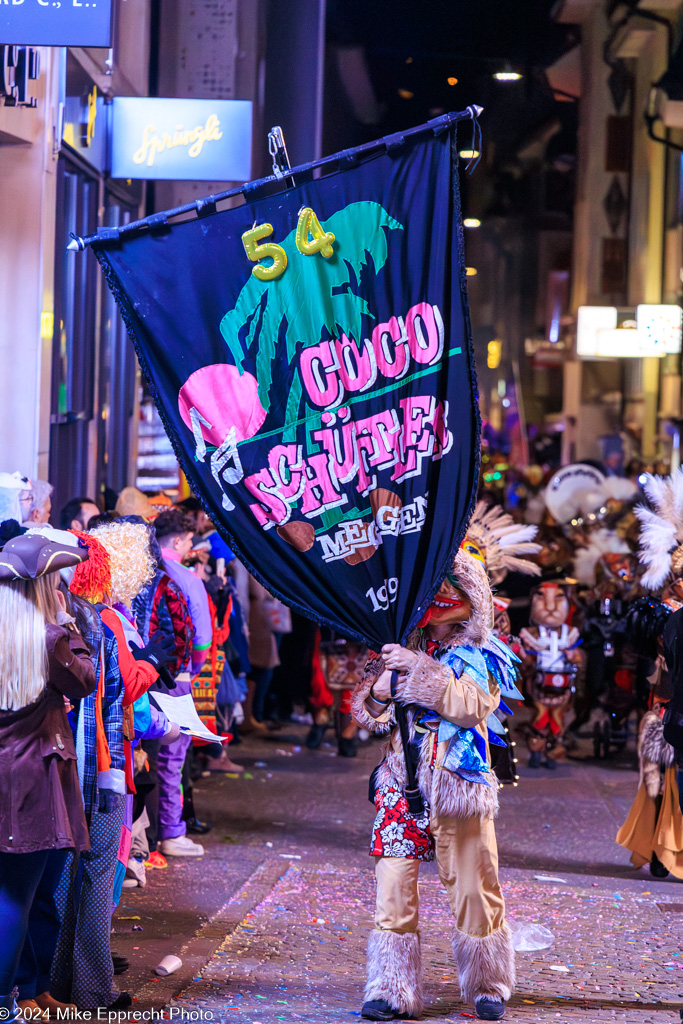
43 659
451 676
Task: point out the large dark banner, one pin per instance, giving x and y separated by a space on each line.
309 354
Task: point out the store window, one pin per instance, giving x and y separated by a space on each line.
117 381
75 336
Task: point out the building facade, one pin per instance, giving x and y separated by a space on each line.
72 406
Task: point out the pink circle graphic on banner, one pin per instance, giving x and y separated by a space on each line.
224 398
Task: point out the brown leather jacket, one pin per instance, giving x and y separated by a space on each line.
41 807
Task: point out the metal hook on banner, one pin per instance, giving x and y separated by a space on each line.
477 138
278 151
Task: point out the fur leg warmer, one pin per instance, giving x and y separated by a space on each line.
395 970
485 966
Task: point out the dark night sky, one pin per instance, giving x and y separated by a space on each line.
416 45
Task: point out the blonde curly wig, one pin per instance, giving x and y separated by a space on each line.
130 555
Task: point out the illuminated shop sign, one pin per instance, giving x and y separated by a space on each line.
647 330
181 140
56 22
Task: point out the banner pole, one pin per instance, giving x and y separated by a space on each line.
207 206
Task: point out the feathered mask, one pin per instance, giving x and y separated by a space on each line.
661 529
502 542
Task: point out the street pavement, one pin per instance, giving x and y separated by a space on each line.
271 925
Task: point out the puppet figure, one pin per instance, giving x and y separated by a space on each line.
550 668
436 795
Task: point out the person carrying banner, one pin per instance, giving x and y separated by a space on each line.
446 682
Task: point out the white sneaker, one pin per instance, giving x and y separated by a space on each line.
135 874
181 846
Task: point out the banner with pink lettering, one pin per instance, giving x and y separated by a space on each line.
309 353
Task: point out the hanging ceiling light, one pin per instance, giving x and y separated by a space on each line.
469 154
472 222
507 74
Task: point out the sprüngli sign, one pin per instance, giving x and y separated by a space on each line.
181 139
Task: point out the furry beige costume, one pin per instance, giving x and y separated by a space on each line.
461 819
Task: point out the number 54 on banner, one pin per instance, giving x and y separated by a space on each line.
310 239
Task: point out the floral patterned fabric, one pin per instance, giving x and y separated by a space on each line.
396 832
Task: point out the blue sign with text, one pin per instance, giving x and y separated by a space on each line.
180 139
55 22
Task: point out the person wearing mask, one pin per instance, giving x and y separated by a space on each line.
436 797
174 531
42 662
77 513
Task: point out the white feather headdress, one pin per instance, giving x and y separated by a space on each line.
600 542
661 532
503 541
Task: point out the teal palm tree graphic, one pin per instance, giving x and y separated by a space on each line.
311 295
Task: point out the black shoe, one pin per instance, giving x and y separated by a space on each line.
535 759
347 748
123 1001
121 964
315 736
379 1009
196 827
487 1008
551 766
657 869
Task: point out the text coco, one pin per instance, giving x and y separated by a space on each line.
340 366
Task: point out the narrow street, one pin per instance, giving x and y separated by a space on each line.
272 924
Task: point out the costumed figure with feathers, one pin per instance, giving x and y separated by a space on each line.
578 497
507 547
609 695
607 572
653 830
436 795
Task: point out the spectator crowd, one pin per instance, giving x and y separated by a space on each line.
106 619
